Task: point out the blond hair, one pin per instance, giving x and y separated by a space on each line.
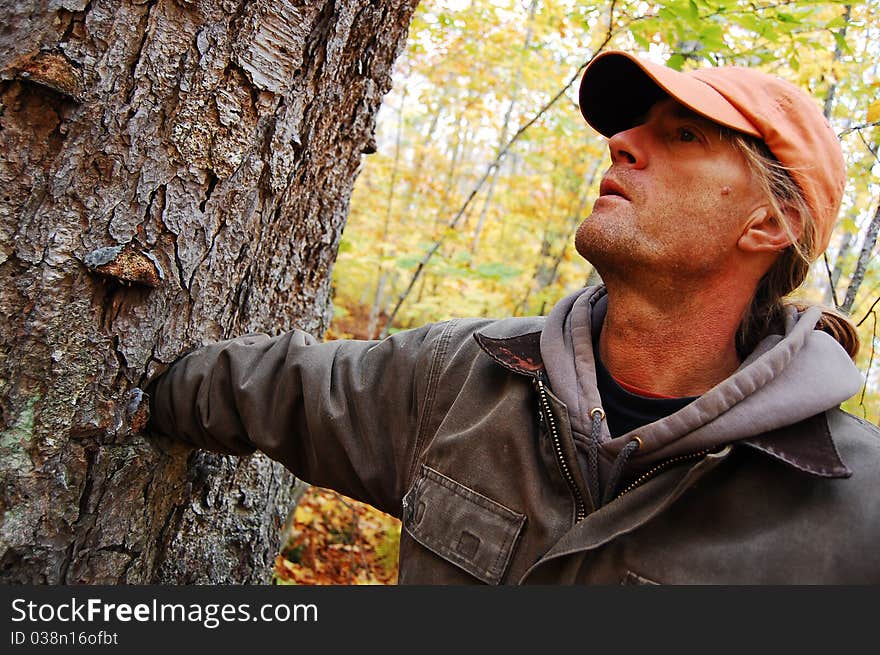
765 313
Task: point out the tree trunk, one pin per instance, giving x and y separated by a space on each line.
515 88
862 264
173 173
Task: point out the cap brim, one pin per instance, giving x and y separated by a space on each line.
617 90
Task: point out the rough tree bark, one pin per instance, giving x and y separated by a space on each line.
173 172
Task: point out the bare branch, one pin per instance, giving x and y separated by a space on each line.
872 150
832 88
831 281
868 313
857 128
870 363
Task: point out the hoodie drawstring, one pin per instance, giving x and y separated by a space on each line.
598 415
617 469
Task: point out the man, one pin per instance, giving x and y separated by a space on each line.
679 424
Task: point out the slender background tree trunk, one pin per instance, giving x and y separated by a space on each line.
173 173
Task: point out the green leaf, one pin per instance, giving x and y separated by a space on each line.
750 22
463 257
842 45
675 62
407 263
713 37
497 270
668 14
641 40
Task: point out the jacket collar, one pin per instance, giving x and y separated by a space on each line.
806 446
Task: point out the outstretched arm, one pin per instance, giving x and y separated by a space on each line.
341 414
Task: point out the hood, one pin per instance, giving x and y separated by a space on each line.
788 378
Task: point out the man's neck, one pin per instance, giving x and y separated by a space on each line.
681 346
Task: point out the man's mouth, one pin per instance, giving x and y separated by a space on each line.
609 187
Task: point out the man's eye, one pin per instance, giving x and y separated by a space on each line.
686 135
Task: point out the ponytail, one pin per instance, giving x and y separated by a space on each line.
836 324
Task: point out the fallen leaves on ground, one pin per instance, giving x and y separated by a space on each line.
335 540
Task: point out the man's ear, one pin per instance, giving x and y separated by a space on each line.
765 232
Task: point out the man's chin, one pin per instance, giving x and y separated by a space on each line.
592 241
606 249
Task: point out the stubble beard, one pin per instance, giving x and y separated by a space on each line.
607 247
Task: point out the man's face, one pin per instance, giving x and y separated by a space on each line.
674 202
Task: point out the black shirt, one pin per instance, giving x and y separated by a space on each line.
627 411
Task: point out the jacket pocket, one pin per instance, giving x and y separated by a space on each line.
461 525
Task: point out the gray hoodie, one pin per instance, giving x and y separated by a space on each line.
786 379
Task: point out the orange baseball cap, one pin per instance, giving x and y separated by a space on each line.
617 89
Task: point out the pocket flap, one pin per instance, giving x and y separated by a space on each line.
461 525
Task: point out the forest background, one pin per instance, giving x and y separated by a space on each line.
484 168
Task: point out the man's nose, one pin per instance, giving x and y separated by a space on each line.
628 147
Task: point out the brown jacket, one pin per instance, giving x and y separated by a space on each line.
449 429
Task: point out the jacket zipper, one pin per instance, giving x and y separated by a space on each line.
580 505
650 473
